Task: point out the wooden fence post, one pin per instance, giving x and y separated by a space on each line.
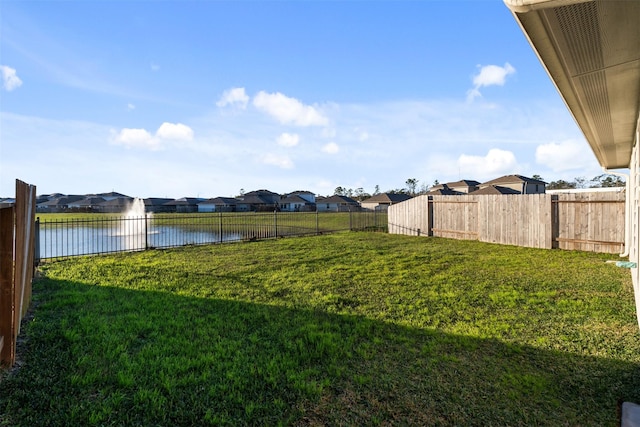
6 284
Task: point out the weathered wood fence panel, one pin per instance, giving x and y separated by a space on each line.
411 217
584 221
590 221
455 217
17 239
516 220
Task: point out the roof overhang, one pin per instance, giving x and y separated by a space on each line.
591 51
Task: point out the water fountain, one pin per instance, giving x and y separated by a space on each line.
134 225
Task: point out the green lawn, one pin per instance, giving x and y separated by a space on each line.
343 329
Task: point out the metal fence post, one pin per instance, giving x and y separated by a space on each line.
275 222
350 220
146 231
37 243
317 222
220 225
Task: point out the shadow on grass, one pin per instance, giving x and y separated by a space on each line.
110 356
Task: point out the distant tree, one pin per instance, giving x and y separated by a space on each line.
581 182
560 184
607 180
397 191
435 182
376 190
424 188
241 192
360 194
538 177
339 191
412 183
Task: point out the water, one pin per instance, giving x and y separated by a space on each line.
134 231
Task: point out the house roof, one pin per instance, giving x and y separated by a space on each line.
261 193
293 198
446 191
88 201
113 194
253 200
156 201
302 192
338 199
512 179
226 201
61 201
184 201
387 198
591 52
120 201
495 189
463 183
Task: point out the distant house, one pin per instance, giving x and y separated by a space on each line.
521 184
444 191
58 204
464 186
306 195
113 196
336 204
495 189
256 203
115 205
218 204
158 205
185 204
296 203
382 201
87 204
268 196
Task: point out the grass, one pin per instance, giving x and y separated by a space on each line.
343 329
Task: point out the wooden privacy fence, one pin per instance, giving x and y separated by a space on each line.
579 221
17 232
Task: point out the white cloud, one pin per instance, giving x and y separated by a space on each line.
565 156
135 138
154 67
10 79
489 75
176 131
288 139
235 96
331 148
497 162
283 162
288 110
142 138
130 107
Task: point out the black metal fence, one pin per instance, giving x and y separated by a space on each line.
58 238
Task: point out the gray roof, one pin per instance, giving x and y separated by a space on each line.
185 201
220 201
156 201
446 191
510 179
253 200
495 189
463 183
337 199
387 198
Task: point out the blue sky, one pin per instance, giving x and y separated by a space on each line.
204 98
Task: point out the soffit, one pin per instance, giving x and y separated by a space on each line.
591 51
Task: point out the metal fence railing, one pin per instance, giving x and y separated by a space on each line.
88 235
